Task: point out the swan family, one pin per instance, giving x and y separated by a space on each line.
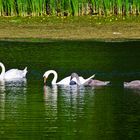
73 79
67 80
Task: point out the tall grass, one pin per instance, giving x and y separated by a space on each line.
69 7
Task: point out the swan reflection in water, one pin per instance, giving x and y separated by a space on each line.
2 100
50 101
51 94
12 93
65 102
16 85
55 96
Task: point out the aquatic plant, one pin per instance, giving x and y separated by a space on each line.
69 7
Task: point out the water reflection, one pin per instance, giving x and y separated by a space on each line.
11 95
65 107
50 97
72 111
70 94
12 100
133 90
2 86
2 100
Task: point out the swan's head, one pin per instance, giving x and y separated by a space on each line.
47 73
45 76
74 79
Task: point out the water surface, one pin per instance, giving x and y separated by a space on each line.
30 110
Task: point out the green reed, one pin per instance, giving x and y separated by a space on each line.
69 7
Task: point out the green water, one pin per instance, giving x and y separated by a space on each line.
30 110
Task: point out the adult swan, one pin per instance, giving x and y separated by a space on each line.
12 73
65 81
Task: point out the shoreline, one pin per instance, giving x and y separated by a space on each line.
72 28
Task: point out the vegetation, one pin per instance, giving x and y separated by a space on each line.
69 7
70 28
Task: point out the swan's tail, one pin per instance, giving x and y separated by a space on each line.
88 79
25 71
107 82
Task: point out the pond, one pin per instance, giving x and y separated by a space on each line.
30 110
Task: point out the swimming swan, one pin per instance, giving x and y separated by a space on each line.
132 84
75 80
97 83
12 73
65 81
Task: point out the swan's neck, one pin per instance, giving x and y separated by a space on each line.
3 70
55 77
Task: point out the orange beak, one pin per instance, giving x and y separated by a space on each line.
45 79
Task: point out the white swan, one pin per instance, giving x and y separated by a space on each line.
12 74
65 81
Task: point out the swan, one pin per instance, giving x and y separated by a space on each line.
132 84
12 73
65 81
75 80
96 83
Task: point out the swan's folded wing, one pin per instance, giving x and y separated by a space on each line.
84 81
14 73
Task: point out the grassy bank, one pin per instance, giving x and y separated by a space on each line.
84 27
69 7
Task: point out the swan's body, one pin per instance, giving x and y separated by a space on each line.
75 80
12 74
15 73
97 83
65 81
132 84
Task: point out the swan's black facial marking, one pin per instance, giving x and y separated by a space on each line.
73 83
